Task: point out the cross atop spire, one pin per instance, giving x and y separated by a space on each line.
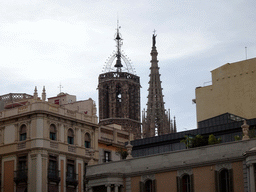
60 86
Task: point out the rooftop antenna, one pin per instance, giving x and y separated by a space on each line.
245 53
60 86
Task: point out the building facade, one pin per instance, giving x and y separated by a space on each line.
232 90
226 167
111 144
119 93
45 147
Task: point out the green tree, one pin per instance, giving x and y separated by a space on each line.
199 141
213 140
187 141
237 137
122 153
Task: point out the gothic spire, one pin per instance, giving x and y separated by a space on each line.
157 121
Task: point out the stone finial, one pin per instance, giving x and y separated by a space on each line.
245 129
44 94
129 150
35 93
91 154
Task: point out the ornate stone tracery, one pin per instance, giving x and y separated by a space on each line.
119 99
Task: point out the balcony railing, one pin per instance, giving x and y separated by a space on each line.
72 179
54 175
20 176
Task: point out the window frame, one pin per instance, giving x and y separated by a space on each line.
53 133
70 138
23 132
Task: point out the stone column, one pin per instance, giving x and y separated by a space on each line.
16 132
108 187
116 188
252 179
65 134
76 136
28 129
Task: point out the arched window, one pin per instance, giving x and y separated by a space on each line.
148 186
87 140
52 132
70 136
186 183
224 180
23 133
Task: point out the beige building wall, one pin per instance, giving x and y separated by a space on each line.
204 179
135 184
233 90
166 182
238 176
9 133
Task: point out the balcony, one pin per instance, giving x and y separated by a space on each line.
20 176
72 179
54 175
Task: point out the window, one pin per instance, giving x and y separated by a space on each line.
52 132
185 183
22 163
224 180
70 169
71 137
52 170
107 156
23 133
148 186
87 140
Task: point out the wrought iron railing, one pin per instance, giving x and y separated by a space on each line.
21 175
71 179
54 175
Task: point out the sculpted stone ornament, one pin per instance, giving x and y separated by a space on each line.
129 150
154 40
91 154
245 129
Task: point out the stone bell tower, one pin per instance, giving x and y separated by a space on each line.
119 92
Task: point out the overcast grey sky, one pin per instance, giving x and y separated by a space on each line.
45 42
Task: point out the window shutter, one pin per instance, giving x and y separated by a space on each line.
191 183
217 181
230 174
153 185
142 187
178 184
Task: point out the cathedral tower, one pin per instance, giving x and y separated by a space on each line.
119 93
156 121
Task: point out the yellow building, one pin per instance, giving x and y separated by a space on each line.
233 90
45 146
